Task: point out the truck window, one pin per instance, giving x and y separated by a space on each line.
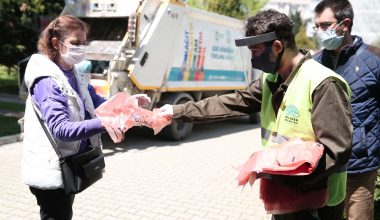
112 29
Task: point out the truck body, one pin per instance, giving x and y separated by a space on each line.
172 52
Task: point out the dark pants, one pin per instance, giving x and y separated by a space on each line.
325 213
54 204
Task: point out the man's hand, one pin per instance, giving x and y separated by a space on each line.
166 111
143 99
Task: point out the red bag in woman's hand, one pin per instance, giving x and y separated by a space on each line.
121 112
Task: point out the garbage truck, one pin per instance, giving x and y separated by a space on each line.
163 48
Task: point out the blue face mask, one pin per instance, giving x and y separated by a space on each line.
329 39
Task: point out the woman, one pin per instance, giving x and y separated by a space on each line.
63 99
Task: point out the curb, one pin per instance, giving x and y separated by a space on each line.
11 98
11 139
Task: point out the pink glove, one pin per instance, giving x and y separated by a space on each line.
166 111
143 99
114 127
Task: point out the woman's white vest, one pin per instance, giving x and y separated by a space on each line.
40 163
293 119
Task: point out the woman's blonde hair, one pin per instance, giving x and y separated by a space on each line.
61 28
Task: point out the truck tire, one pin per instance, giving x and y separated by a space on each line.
177 130
254 118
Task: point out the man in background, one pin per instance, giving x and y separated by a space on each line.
359 64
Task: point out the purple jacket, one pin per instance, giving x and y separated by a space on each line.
53 105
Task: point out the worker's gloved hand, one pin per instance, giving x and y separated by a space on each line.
166 111
143 99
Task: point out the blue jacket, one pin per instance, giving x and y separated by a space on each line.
359 65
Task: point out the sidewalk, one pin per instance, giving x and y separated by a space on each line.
150 179
11 98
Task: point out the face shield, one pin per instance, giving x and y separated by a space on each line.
262 62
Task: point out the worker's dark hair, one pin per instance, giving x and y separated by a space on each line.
341 8
268 21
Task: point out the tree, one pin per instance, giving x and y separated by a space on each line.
302 40
296 18
234 8
252 6
20 25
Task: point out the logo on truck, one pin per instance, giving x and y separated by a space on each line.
193 58
192 65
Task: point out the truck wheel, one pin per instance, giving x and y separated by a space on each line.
254 118
177 130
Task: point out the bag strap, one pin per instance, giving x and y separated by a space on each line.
52 141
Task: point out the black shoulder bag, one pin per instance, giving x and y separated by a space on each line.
80 170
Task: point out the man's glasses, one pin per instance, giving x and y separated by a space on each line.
323 25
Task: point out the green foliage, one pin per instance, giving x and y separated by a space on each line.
20 25
12 107
234 8
201 4
253 6
377 197
377 189
8 126
8 80
303 41
296 18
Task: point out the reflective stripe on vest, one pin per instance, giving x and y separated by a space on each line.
293 119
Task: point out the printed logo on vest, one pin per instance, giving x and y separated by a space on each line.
291 114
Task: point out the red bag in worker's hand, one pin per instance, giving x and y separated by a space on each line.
280 199
292 158
121 112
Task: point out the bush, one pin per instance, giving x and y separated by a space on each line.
9 126
377 189
8 80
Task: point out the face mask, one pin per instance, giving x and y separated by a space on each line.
263 62
74 54
329 39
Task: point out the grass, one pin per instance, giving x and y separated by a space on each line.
8 81
14 107
9 126
9 85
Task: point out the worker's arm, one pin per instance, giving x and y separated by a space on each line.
241 102
331 120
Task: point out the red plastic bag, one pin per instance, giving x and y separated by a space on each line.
293 158
121 112
280 199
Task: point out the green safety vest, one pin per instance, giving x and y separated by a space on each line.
293 119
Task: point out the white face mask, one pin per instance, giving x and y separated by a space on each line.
329 39
73 55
